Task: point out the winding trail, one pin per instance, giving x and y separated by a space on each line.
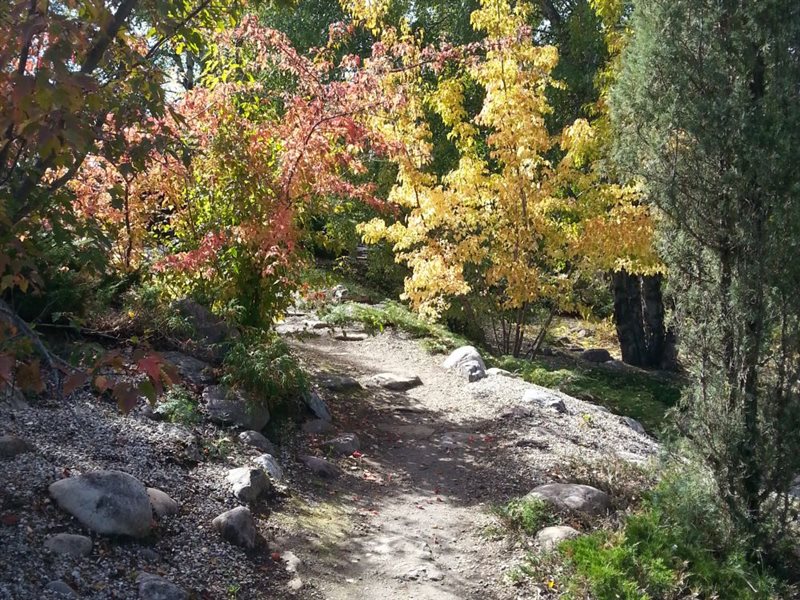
410 517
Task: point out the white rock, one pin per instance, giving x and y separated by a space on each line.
395 381
108 502
550 537
231 407
247 484
468 362
574 497
256 440
495 372
270 465
317 405
545 399
345 444
162 504
634 424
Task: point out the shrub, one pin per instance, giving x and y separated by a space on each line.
179 406
526 515
265 368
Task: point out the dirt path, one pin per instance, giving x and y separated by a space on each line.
410 517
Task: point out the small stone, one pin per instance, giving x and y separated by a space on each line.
468 362
162 504
237 526
190 368
634 424
256 440
108 502
550 537
61 589
395 382
351 336
291 561
545 398
344 445
496 372
149 555
153 587
270 465
69 544
231 407
247 484
321 467
596 355
317 427
295 584
317 405
574 497
11 446
338 383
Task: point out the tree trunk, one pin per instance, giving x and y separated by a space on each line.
639 318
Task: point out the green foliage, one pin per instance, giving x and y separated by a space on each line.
179 406
645 397
681 544
376 318
264 367
526 515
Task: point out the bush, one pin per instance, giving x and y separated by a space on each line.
179 406
681 544
265 368
526 515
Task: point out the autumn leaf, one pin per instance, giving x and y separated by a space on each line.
74 381
126 395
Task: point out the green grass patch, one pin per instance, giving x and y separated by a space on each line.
526 515
644 397
178 405
378 317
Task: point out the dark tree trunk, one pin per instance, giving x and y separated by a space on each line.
639 317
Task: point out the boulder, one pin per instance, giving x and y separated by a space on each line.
317 405
208 328
69 544
395 381
544 399
468 362
344 445
596 355
317 427
108 502
11 446
247 484
237 526
231 407
338 383
60 589
190 368
256 440
270 466
550 537
574 497
321 467
153 587
634 424
163 505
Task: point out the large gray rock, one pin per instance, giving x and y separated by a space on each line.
256 440
11 446
208 328
270 466
395 381
550 537
544 399
321 467
247 484
190 368
108 502
69 544
153 587
317 405
231 407
574 497
237 526
344 445
163 505
597 355
468 362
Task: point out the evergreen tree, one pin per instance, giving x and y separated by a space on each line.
707 116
